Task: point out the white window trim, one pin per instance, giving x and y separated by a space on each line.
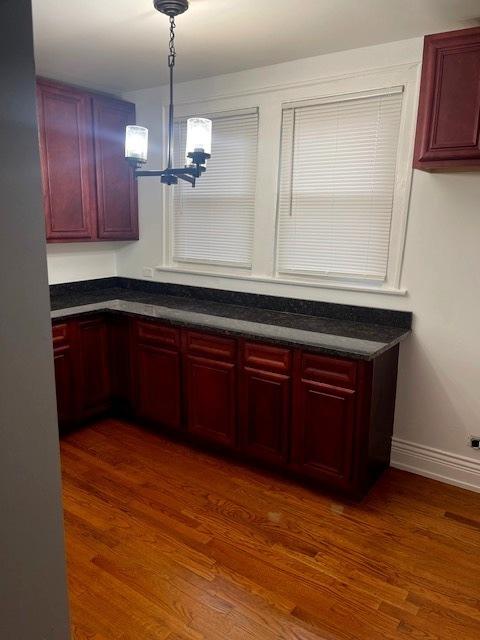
269 101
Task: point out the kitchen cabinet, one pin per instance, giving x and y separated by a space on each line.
116 184
93 367
67 162
64 373
448 126
120 364
210 387
323 419
264 405
89 190
157 370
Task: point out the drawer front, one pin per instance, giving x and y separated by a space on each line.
333 371
267 357
60 334
215 347
157 334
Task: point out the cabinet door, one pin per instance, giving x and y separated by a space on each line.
323 432
211 399
120 363
66 152
93 367
265 414
65 368
158 386
116 185
448 128
64 384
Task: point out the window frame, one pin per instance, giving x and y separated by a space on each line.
270 101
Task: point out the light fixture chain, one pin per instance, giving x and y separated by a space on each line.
171 44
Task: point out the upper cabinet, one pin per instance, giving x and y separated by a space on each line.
448 127
116 185
67 159
89 190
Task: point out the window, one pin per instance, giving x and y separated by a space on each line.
213 223
337 179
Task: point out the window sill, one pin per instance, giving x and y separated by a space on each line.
292 282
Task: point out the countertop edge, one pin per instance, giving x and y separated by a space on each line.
108 306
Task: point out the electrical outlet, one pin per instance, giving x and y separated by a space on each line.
147 272
475 442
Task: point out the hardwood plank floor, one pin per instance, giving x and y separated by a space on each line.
168 543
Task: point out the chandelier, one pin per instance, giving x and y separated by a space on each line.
199 130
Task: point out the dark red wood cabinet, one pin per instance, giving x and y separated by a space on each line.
67 161
64 363
448 126
210 387
264 402
322 432
325 419
93 357
89 191
157 374
116 184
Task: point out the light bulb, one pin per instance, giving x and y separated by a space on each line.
199 136
136 143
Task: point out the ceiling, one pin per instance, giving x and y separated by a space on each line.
121 45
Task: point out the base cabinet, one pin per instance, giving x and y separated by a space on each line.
211 399
158 386
93 367
322 432
328 420
64 373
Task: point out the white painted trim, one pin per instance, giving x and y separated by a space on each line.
300 84
437 464
304 283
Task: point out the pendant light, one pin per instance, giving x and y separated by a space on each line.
199 130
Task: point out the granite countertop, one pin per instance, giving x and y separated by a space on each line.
332 336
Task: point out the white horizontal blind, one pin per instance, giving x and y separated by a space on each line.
213 223
337 177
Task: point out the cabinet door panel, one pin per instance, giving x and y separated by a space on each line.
116 185
158 385
448 128
211 399
120 363
323 432
94 373
265 414
66 151
64 384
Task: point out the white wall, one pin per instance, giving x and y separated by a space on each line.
438 403
72 261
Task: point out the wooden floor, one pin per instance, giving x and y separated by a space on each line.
165 542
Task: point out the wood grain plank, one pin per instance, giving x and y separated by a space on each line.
168 543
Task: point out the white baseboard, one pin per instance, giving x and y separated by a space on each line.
437 464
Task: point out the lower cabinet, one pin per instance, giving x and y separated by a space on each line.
210 392
64 373
325 419
156 373
93 367
157 383
322 432
265 391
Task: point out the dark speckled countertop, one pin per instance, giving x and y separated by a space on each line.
331 335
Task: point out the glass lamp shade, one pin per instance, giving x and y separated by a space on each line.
199 136
136 143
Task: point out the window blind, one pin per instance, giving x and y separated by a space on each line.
337 177
213 223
